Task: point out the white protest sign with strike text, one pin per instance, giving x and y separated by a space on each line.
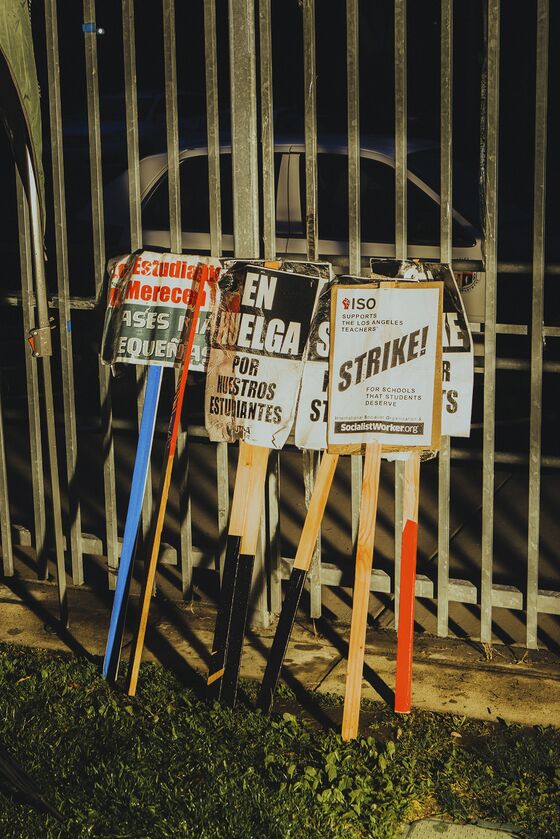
385 365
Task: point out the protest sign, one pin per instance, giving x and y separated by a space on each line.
457 345
311 417
457 360
149 297
259 337
385 367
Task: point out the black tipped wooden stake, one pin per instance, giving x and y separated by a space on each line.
296 582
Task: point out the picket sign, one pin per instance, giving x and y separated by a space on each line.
384 393
200 276
360 601
144 323
405 636
149 296
259 338
251 459
300 568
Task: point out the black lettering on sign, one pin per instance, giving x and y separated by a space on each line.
392 354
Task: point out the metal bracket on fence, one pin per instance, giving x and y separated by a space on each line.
40 340
92 27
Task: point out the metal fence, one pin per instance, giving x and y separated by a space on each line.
251 77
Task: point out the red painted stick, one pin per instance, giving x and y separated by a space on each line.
405 639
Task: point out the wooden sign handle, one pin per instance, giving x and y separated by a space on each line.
238 513
360 602
132 523
242 588
405 638
300 568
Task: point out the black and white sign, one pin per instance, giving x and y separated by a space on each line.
259 337
311 417
385 365
457 345
149 297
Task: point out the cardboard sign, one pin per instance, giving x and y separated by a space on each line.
311 418
457 344
149 296
457 362
259 337
385 366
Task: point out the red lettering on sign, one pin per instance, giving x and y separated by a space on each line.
133 290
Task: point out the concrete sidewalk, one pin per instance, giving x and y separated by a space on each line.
453 676
434 829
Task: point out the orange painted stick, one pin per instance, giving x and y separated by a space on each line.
405 639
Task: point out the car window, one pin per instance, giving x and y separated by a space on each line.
195 204
377 204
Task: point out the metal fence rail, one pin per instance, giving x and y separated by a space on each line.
252 76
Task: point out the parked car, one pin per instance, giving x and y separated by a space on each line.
377 204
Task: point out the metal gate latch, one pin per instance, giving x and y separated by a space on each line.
40 341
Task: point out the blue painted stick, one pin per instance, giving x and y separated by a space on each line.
141 464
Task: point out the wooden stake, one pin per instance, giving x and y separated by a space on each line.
200 277
244 576
405 639
360 602
300 568
231 566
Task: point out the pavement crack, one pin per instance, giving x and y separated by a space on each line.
328 672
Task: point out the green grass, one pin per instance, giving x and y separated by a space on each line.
170 765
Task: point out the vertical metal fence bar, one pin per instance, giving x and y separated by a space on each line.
213 126
172 123
446 244
400 233
354 226
310 463
537 321
98 233
214 191
65 317
222 481
43 323
32 382
310 129
353 98
400 130
356 491
243 83
5 519
134 200
272 540
175 236
310 460
491 218
267 130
